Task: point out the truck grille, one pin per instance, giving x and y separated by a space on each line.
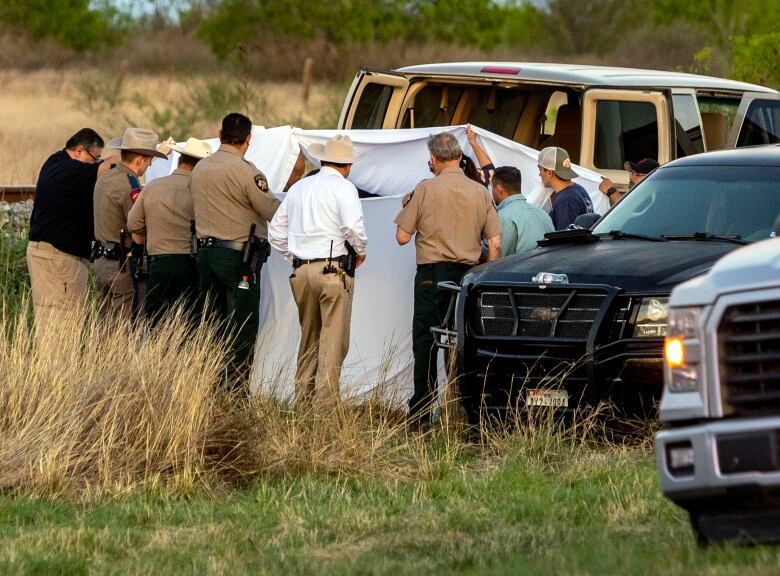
749 347
536 313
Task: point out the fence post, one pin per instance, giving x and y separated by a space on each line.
308 62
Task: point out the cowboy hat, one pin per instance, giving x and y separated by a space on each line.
138 140
337 150
194 147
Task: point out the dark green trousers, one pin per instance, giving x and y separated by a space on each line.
173 278
221 271
430 307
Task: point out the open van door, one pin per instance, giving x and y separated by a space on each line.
757 120
374 100
620 125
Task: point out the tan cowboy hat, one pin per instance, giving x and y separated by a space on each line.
194 147
337 150
138 140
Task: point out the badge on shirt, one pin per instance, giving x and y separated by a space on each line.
261 182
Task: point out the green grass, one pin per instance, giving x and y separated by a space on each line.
593 512
14 278
532 502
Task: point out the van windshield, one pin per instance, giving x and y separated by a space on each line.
741 202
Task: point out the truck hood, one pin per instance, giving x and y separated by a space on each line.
635 266
753 267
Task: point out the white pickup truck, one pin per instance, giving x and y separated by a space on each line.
718 453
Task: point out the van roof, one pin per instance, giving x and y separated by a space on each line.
581 75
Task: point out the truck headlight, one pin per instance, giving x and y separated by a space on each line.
651 318
682 350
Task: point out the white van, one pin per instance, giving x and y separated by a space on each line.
601 115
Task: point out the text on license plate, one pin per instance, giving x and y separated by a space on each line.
537 397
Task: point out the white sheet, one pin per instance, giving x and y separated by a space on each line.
389 163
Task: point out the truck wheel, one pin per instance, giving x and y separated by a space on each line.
702 540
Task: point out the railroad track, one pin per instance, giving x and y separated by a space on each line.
16 193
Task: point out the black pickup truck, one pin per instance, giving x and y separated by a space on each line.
582 317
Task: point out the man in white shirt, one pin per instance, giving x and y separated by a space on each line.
319 215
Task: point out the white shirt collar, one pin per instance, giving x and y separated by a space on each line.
331 170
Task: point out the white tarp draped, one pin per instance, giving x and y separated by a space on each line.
389 163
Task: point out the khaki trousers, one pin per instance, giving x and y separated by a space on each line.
325 311
115 288
59 285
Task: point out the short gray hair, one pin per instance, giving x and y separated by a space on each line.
444 146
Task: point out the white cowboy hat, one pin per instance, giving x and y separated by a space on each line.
138 140
194 147
337 150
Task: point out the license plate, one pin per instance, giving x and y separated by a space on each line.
556 398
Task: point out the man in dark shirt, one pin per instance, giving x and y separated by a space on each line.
61 226
569 200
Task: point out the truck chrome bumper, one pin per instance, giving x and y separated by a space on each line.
709 459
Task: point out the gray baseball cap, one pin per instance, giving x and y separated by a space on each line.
557 160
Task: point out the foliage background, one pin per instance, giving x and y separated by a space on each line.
735 38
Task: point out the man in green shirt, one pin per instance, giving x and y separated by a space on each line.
522 224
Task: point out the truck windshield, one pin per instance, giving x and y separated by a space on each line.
739 202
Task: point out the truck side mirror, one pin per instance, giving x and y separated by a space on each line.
586 221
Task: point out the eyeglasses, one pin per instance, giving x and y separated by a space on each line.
94 158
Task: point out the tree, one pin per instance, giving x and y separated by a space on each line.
756 59
724 19
73 23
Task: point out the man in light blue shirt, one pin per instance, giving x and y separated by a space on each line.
522 223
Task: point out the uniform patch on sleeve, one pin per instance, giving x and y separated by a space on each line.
134 194
261 182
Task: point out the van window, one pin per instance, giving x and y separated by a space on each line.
625 130
490 107
717 116
495 109
372 107
762 124
557 99
434 105
687 127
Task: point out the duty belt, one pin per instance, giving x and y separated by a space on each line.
298 262
457 266
209 241
109 250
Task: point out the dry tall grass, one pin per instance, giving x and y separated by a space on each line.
39 110
108 408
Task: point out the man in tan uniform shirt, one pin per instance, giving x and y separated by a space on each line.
230 195
449 215
115 193
162 218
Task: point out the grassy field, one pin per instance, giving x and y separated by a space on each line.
116 456
537 510
40 110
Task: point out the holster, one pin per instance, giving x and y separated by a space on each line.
256 253
97 250
193 240
140 261
349 260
